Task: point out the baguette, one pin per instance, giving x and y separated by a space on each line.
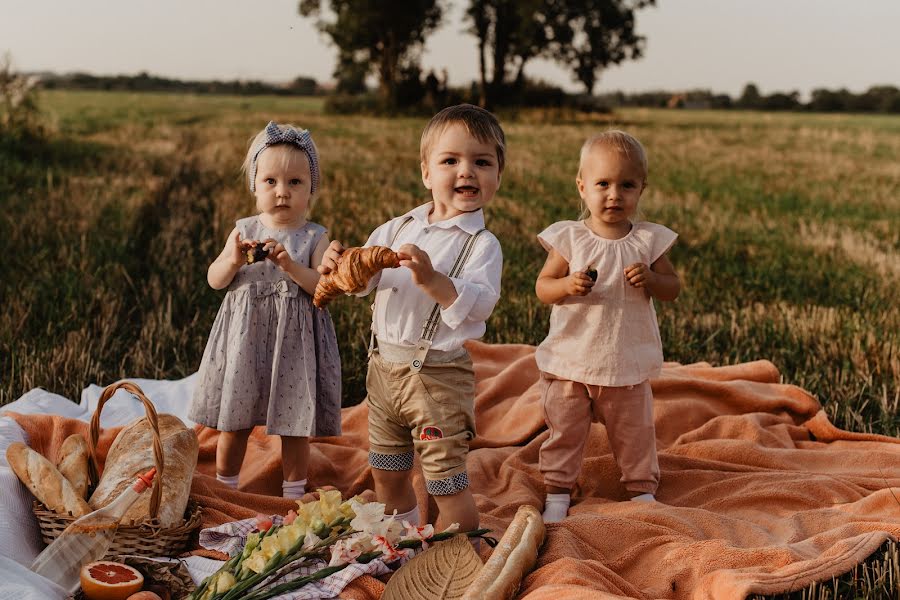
514 556
45 481
73 462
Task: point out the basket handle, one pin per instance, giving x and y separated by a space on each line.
93 468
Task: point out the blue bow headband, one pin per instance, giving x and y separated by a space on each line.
296 137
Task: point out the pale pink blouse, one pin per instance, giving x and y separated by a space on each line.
610 336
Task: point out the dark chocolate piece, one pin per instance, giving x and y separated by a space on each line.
256 254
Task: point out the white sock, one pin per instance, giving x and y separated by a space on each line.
644 498
293 489
556 507
411 517
231 482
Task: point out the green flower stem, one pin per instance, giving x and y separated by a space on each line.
230 564
446 535
295 584
251 581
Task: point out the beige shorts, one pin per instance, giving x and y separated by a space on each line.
430 413
570 407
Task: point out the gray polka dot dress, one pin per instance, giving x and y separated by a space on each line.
272 357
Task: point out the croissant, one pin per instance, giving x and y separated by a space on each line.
353 272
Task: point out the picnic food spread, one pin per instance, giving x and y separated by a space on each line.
356 267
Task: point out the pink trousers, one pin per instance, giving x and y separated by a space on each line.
570 407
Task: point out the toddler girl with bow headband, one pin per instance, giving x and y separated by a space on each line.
272 358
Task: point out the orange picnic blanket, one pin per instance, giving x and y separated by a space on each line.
759 492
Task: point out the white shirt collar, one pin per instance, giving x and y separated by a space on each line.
471 222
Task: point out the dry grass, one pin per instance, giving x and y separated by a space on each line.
788 250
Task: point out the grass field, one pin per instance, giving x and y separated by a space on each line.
789 228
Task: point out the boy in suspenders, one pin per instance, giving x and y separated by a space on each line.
420 383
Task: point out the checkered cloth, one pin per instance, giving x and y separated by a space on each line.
230 538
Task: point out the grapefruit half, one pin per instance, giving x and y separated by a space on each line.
107 580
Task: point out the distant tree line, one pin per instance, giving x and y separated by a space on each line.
144 82
385 39
433 93
877 99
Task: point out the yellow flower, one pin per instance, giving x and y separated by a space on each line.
329 505
256 562
346 507
268 547
224 582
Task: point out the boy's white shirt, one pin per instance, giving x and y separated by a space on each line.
401 307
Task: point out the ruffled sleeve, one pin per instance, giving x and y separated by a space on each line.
559 237
659 239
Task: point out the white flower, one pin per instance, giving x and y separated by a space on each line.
343 552
310 539
453 528
389 552
368 515
414 532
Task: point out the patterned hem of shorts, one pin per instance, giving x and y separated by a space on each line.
447 487
391 462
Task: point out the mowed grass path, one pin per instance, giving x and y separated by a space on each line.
789 235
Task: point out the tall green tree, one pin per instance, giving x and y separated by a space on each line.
510 33
378 37
594 34
585 35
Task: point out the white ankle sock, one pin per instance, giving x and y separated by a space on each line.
644 498
231 481
556 507
293 489
411 517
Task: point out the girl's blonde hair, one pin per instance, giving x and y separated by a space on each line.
275 134
623 143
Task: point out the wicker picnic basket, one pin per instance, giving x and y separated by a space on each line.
144 539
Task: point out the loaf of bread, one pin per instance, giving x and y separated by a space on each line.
512 559
45 481
72 462
131 454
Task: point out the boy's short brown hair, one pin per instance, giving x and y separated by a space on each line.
479 122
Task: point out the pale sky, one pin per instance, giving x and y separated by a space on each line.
781 45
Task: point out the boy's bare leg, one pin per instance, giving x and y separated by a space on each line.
394 489
457 508
294 457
